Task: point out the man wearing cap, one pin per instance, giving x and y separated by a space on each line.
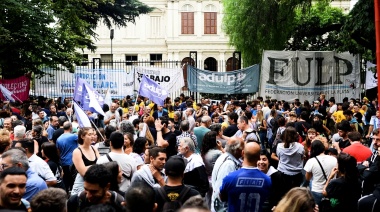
174 189
317 109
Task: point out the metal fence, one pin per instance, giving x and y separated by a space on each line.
127 66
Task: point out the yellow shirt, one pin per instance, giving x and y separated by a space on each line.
338 116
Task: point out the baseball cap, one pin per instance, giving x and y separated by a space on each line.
175 166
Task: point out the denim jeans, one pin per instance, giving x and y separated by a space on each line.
317 197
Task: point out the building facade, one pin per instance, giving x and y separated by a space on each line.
170 32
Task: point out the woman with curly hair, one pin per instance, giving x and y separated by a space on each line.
138 153
290 154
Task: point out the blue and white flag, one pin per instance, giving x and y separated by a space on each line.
94 104
82 118
6 93
152 90
88 97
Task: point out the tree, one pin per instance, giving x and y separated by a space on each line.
254 26
50 32
318 29
325 28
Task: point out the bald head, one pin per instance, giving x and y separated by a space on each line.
251 153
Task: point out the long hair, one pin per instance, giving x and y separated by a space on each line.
113 168
51 151
290 136
298 199
260 115
82 132
347 166
209 142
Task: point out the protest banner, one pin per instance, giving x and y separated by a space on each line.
170 79
287 75
57 83
371 76
233 82
19 87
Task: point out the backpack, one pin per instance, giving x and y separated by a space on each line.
371 111
172 206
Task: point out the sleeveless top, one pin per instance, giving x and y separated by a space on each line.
86 161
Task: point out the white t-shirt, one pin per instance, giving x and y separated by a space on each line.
114 122
333 109
126 163
328 163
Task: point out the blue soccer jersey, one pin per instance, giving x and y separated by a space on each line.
246 189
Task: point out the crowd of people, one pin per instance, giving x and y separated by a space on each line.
229 155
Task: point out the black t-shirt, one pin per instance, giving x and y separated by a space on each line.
173 193
344 143
230 130
56 134
171 139
57 171
343 195
302 127
80 200
20 207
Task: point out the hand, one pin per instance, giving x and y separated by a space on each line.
156 174
365 163
367 136
113 116
158 125
333 173
316 208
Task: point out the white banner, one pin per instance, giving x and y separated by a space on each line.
370 76
289 75
62 83
170 79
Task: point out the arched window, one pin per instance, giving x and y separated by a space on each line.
186 61
187 19
232 64
211 64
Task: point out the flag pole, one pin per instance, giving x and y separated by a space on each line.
91 121
97 129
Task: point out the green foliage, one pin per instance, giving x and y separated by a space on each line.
318 29
49 32
360 26
254 26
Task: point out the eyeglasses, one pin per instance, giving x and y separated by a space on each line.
4 166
